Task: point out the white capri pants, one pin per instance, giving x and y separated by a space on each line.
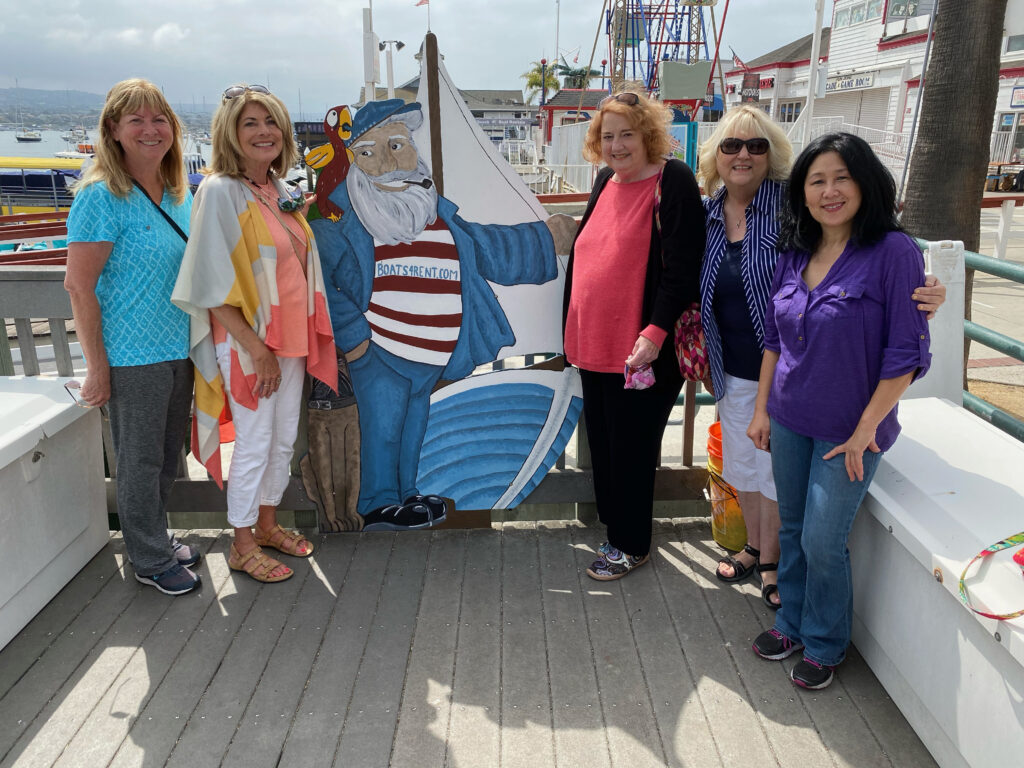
744 467
264 441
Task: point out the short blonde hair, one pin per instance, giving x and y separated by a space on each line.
226 155
650 117
127 97
754 122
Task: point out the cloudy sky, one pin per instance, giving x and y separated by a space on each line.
312 49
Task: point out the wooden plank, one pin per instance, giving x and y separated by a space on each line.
577 714
527 726
61 347
20 708
212 723
633 738
34 641
474 737
767 716
106 656
27 346
372 715
162 718
131 687
425 712
686 733
320 716
260 737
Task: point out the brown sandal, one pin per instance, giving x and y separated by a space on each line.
283 541
257 564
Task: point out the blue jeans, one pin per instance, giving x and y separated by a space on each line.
817 505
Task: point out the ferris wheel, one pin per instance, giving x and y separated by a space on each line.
650 40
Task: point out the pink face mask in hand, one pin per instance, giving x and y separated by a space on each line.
639 378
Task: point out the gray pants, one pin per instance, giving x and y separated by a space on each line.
148 408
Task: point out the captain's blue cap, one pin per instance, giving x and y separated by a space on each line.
376 112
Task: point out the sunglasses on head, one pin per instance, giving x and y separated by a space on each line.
732 146
627 97
235 91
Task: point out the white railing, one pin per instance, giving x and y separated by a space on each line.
518 152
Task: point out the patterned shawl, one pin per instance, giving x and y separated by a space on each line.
231 259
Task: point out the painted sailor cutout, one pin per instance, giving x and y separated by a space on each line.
410 302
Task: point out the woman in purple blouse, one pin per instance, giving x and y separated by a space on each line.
842 344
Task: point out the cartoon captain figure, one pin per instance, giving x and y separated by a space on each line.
409 301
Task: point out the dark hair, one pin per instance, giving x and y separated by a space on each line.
877 213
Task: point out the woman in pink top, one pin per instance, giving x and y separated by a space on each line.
251 283
631 273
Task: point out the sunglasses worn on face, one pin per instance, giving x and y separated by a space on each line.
237 90
627 98
732 146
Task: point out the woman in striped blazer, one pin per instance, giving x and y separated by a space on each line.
743 168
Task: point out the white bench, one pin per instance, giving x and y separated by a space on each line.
950 486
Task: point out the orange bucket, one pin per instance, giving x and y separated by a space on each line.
727 526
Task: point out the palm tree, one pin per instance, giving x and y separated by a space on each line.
575 77
533 80
951 153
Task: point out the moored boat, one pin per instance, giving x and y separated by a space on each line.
37 184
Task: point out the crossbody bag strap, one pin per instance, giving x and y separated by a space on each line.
1006 543
163 213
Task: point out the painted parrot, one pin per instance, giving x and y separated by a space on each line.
331 161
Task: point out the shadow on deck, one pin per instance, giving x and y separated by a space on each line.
445 648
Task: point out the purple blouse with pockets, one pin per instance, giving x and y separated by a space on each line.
858 326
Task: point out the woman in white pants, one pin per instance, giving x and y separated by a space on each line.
251 282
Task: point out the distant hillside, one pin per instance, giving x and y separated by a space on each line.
33 100
59 110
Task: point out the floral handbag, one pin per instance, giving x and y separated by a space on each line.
689 334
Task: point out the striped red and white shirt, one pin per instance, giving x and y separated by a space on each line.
415 309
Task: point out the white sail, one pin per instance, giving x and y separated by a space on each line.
489 191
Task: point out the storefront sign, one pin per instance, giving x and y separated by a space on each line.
1017 98
850 83
767 82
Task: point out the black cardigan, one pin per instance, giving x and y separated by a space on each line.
672 281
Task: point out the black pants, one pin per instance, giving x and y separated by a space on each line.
624 429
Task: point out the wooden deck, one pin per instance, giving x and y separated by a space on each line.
446 648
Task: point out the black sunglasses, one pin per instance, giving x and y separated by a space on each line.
732 146
235 91
626 97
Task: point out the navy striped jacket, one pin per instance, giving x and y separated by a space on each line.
757 267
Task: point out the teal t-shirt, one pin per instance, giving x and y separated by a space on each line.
140 325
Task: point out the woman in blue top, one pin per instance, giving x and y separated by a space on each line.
842 344
126 238
743 166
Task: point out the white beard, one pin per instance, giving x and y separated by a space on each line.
392 217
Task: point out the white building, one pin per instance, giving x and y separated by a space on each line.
872 56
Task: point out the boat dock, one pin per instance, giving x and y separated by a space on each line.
447 648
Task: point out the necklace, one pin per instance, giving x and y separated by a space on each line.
270 207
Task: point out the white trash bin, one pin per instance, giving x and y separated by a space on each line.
53 511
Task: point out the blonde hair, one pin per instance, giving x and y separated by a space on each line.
226 156
650 117
755 123
127 97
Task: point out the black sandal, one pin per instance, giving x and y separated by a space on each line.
767 590
739 570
